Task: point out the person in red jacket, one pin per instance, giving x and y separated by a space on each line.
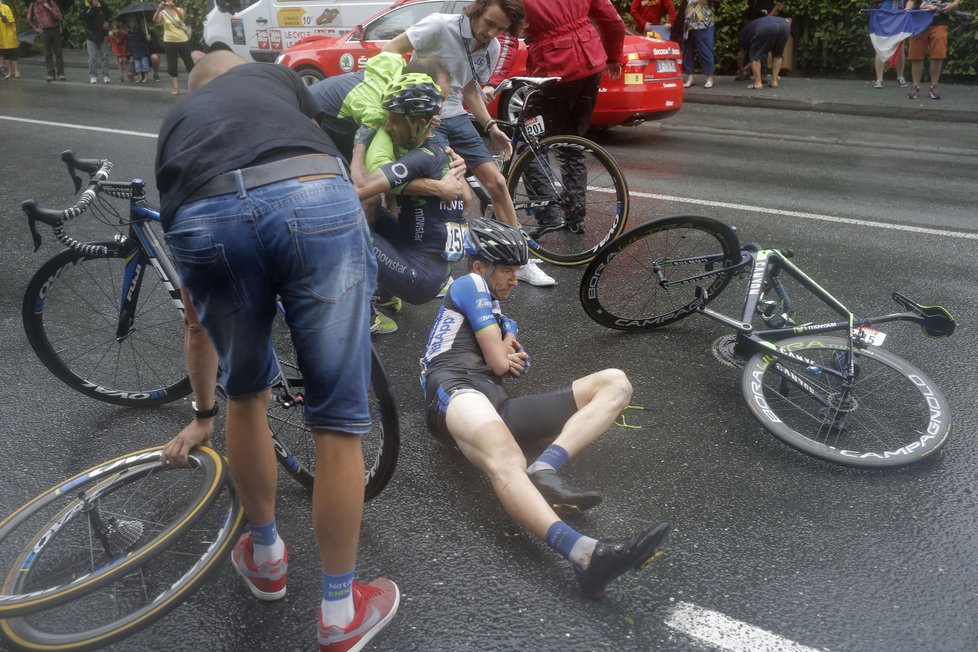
647 13
578 41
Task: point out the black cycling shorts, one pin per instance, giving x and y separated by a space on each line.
532 418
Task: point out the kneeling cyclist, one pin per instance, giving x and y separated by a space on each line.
472 347
415 247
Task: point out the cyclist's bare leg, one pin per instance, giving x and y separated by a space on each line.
337 499
494 182
202 368
484 439
600 398
252 456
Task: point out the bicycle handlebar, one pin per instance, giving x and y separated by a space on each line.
98 172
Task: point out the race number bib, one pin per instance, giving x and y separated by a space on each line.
454 241
535 126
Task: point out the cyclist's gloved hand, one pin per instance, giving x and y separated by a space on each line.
364 135
508 326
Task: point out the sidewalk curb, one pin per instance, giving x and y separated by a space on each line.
909 112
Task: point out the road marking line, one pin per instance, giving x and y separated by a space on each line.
808 216
726 633
121 132
645 195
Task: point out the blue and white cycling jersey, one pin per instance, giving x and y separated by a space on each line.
468 309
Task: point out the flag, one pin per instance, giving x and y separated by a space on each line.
889 27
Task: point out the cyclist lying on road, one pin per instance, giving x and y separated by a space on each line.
472 346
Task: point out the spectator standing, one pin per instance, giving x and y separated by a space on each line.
119 40
45 17
139 50
647 13
8 42
246 178
697 38
95 19
176 40
933 43
578 41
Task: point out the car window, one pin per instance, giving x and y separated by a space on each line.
395 22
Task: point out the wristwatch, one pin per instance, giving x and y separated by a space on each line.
206 414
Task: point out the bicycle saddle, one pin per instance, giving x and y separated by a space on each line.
935 320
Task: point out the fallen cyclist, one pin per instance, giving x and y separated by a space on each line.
471 348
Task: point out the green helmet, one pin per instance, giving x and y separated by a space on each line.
414 95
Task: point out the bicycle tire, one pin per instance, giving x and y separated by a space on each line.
605 209
887 422
71 313
133 602
294 444
622 287
32 532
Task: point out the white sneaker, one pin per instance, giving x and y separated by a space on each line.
106 79
93 80
532 274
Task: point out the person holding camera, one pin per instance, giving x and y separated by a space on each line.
176 40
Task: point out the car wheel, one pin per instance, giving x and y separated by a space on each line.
512 102
310 75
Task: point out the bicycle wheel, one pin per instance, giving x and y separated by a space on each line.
139 598
648 277
101 525
571 200
893 414
294 444
71 314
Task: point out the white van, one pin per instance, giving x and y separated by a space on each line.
260 30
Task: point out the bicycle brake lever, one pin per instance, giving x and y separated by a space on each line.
35 236
71 172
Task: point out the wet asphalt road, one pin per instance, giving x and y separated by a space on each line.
791 550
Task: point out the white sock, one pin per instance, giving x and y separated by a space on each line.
337 613
580 554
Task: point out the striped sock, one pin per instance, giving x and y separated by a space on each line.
553 458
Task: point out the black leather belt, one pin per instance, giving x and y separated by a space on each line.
312 165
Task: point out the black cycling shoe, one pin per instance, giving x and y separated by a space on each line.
612 557
558 494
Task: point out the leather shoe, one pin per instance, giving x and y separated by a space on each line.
613 557
558 494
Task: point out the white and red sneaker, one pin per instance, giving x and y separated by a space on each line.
266 581
375 604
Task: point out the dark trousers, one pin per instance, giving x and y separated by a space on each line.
566 108
173 50
53 58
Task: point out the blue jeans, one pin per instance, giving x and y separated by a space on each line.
699 41
306 243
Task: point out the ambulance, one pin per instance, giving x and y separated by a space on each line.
259 30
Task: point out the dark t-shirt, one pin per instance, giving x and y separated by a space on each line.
940 18
253 112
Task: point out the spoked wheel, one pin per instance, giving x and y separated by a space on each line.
135 600
891 414
294 443
648 277
571 200
71 313
100 525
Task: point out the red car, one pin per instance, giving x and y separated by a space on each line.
649 88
